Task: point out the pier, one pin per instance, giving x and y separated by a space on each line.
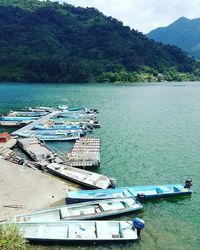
85 153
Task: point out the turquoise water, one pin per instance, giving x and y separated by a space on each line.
150 135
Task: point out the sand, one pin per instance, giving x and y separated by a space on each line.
25 190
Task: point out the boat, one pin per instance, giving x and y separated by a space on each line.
27 113
48 136
39 152
17 118
82 211
57 126
75 109
141 192
38 109
52 132
63 107
67 231
80 176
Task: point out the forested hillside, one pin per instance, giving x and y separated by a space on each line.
50 42
184 33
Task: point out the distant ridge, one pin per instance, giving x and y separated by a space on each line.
44 41
183 33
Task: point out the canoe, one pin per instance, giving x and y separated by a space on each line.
141 192
82 211
80 176
66 231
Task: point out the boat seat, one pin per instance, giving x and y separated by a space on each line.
102 230
176 189
107 206
126 230
64 213
78 231
161 190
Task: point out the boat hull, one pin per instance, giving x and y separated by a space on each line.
143 192
82 211
77 231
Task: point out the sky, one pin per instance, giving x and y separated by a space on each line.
144 15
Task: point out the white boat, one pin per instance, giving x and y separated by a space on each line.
80 176
82 211
66 231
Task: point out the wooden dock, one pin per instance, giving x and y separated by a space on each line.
85 153
33 124
38 151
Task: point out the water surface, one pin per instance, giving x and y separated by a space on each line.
150 135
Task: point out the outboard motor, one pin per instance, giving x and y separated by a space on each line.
139 225
113 183
141 197
188 183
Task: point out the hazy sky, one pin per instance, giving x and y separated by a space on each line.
144 15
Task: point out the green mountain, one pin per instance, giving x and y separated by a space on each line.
42 41
183 33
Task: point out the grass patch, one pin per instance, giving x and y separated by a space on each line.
11 239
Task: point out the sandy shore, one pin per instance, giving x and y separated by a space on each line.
24 190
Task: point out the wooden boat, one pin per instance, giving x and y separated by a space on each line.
141 192
80 176
82 211
64 231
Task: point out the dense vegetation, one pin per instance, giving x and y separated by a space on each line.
10 239
184 33
50 42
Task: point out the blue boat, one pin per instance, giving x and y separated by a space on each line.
140 192
57 126
59 136
59 132
72 109
17 118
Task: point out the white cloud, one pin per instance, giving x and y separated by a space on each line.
144 15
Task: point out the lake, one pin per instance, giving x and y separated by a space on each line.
150 135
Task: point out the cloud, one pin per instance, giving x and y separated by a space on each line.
143 15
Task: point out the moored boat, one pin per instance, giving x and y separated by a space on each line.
80 176
64 231
17 118
27 113
51 136
82 211
141 192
